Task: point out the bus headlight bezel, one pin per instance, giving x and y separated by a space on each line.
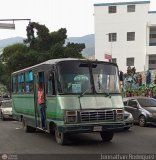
71 116
119 115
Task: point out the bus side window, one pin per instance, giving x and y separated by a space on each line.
29 82
21 88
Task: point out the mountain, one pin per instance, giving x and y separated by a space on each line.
89 41
89 51
10 41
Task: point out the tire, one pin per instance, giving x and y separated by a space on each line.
52 128
142 121
107 136
26 128
126 128
3 119
60 137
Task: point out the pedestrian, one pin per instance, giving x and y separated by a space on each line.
42 104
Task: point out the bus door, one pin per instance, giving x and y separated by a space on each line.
38 78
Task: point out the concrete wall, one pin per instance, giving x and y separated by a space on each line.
121 23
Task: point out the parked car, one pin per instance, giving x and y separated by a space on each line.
128 118
143 109
5 109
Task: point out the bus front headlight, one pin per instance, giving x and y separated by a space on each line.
119 115
71 116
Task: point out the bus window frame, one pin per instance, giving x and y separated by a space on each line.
47 74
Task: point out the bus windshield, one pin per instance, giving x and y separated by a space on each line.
106 78
75 78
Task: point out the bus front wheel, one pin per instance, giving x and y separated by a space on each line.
106 136
60 137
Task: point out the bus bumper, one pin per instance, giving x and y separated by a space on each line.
85 128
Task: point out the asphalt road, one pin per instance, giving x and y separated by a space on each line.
13 140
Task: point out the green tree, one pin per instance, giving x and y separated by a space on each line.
52 44
74 50
11 50
2 72
56 51
58 37
14 57
42 40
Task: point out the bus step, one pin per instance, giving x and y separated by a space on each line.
45 130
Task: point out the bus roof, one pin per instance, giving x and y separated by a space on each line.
55 61
48 62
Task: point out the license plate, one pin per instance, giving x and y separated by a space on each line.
97 128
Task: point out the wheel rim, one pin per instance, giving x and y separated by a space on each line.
142 121
58 136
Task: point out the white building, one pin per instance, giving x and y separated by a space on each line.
127 31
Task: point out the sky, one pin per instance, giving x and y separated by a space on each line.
74 15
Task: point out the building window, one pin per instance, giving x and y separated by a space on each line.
131 8
130 61
152 35
112 37
152 61
112 9
114 60
130 36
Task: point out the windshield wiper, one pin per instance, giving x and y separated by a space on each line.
83 93
101 86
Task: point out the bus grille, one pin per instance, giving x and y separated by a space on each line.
90 116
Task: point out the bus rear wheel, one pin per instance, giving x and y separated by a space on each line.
60 137
107 136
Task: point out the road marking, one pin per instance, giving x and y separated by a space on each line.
17 128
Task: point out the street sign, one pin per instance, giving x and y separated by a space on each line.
7 26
